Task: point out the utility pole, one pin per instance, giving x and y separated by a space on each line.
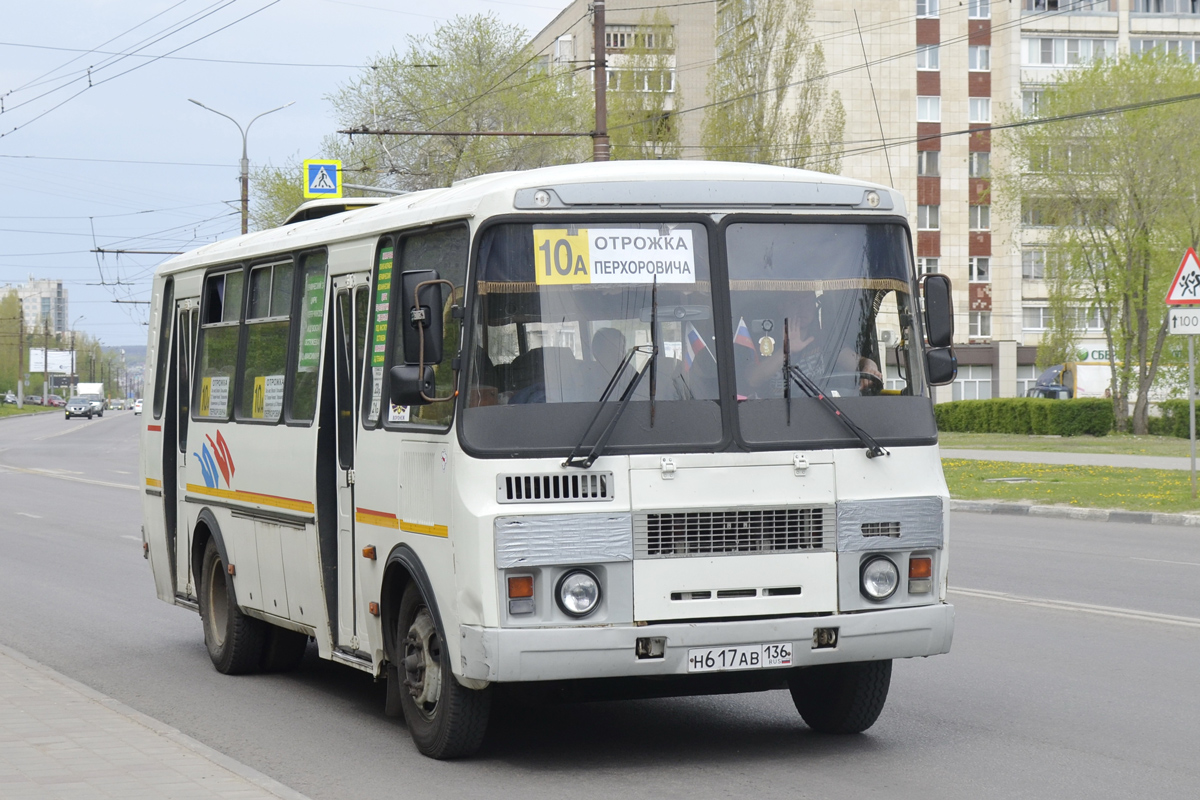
45 358
600 138
21 357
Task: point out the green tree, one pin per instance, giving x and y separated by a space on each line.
769 96
642 93
10 320
474 73
1115 195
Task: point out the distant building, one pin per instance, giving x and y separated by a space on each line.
936 67
41 301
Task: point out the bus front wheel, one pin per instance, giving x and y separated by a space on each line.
444 718
841 698
235 642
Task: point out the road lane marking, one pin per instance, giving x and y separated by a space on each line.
60 476
1167 561
27 514
72 429
1082 608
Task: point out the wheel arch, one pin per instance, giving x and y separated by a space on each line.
403 566
207 528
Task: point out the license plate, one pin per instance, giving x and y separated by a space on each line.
746 656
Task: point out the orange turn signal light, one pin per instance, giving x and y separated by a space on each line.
369 552
231 569
373 608
520 586
920 567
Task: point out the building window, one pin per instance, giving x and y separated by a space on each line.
974 382
1035 318
1033 265
1035 213
1026 378
1030 98
980 269
979 165
926 266
621 37
927 8
927 57
928 218
979 58
979 9
1184 48
979 324
929 109
1166 6
929 163
1067 6
980 218
1047 52
980 109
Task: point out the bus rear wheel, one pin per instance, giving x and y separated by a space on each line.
235 642
444 718
841 698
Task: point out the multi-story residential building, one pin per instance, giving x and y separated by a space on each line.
919 76
43 302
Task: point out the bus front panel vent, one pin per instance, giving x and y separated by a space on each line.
734 532
588 487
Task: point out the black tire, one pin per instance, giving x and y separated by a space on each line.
283 650
444 718
841 698
235 642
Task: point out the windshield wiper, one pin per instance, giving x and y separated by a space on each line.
794 373
598 448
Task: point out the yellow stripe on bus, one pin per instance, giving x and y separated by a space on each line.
253 497
157 484
390 521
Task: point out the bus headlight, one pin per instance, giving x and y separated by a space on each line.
578 593
878 578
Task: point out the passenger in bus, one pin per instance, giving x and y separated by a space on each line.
608 351
760 367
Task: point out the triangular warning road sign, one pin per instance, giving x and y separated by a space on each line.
1185 289
322 181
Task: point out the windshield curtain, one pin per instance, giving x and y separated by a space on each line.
559 306
844 294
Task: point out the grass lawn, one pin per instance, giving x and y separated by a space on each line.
12 411
1085 487
1122 443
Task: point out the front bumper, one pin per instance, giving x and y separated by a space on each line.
544 654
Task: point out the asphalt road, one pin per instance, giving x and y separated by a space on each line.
1073 672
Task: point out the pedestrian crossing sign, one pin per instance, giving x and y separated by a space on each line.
322 178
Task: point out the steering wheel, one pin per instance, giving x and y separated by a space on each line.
866 384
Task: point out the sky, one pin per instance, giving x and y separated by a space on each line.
115 157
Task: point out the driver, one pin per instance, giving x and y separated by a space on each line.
808 352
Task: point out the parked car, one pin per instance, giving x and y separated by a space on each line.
79 407
137 406
33 399
10 399
55 400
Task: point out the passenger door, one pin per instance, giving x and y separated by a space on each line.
188 315
351 299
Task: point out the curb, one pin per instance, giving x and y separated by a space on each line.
1068 512
260 780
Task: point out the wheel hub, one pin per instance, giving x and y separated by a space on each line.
422 662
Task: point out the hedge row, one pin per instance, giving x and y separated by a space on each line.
1029 415
1174 419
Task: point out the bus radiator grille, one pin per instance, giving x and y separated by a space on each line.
555 488
673 534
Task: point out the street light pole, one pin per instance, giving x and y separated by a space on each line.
73 380
245 160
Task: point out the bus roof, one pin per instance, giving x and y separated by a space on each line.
646 185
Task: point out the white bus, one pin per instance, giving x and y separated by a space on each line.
646 426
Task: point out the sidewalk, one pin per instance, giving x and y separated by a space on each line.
60 739
1074 459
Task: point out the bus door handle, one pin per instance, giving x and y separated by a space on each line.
348 478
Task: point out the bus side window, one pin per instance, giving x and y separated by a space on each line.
220 321
166 315
308 335
268 322
445 251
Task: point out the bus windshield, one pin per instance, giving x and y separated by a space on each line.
559 306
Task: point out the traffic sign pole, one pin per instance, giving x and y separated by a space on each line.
1192 405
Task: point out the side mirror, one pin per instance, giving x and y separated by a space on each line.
410 385
939 310
941 365
425 315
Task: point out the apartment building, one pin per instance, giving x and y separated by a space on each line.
920 76
43 301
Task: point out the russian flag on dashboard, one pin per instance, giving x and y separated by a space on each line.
742 336
695 344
